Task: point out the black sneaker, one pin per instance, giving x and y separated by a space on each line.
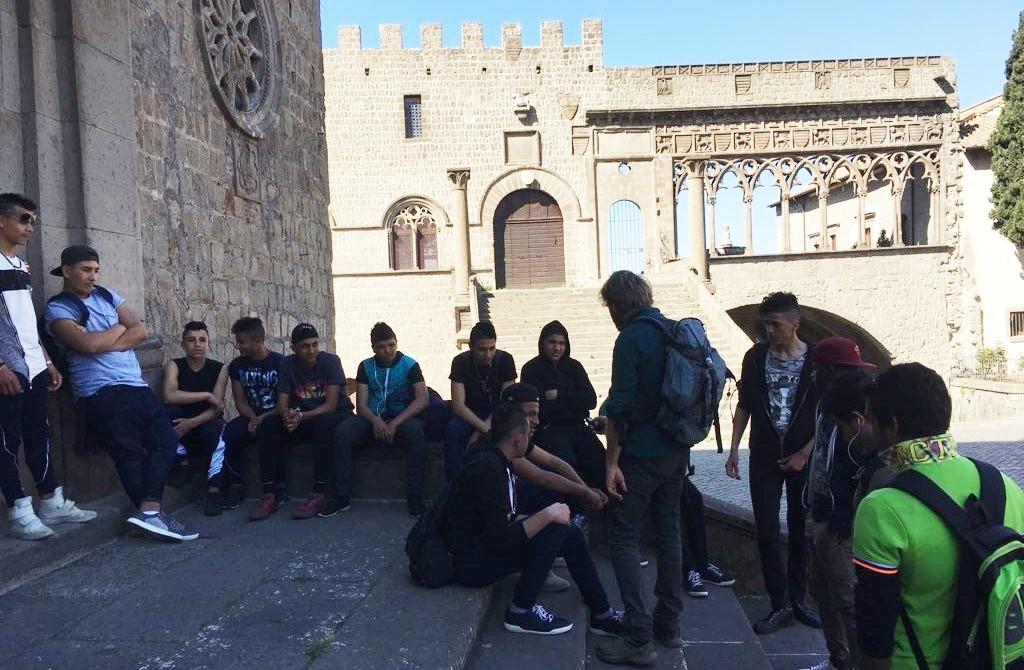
644 562
537 621
620 651
334 505
607 626
774 621
717 576
416 507
179 475
668 638
232 498
695 585
805 615
281 493
214 504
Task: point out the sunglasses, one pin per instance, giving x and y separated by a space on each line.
26 218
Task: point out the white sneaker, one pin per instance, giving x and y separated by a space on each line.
824 665
25 525
59 509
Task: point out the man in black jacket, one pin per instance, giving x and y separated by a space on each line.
778 398
566 398
489 538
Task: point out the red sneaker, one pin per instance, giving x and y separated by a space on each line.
314 504
264 508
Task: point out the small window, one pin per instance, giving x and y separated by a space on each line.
413 238
1017 324
413 116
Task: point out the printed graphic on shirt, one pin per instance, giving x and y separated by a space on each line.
314 389
259 380
782 379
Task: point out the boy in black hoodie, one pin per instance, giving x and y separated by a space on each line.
567 396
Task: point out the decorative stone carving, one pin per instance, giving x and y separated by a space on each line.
823 80
795 66
458 178
570 104
743 84
664 85
241 52
247 169
413 216
901 77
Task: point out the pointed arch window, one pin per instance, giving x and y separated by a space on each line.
412 236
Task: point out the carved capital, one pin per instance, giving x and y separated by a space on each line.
459 178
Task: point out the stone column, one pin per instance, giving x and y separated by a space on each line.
897 217
459 179
787 244
698 237
712 243
935 215
748 222
862 196
823 219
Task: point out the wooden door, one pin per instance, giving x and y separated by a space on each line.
529 241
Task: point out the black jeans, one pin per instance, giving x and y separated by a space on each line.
693 527
533 561
318 431
577 445
456 435
654 487
134 428
201 443
358 432
23 422
766 482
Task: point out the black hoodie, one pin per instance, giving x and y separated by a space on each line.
576 396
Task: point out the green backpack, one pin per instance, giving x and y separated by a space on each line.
988 620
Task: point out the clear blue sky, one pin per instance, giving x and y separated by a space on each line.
644 32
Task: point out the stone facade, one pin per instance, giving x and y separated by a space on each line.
553 118
113 118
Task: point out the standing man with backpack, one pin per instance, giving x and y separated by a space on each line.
26 374
918 590
645 472
777 397
99 332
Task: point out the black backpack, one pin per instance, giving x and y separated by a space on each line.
430 564
436 416
58 350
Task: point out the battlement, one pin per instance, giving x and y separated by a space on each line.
350 38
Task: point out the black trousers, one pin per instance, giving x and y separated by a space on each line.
357 432
693 528
318 431
23 422
766 483
577 445
533 561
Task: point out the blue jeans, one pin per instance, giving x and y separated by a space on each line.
133 427
202 444
456 436
23 421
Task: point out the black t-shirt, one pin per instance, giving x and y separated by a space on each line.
483 384
192 381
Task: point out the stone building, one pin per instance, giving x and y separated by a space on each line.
187 146
506 182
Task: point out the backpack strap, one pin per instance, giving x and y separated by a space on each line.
993 491
70 299
105 294
937 500
915 644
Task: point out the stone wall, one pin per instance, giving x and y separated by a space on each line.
899 296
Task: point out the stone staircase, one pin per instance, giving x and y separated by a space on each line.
519 314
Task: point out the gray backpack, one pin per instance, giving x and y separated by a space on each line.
694 381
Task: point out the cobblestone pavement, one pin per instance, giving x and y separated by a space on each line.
1000 443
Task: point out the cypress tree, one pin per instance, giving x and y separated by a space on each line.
1007 147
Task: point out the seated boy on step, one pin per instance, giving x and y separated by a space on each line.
390 395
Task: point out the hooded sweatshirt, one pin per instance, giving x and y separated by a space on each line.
576 396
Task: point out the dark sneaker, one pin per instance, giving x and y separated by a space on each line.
334 505
416 506
555 584
668 638
179 475
313 505
695 585
214 504
774 621
621 651
805 615
608 626
644 562
232 498
162 526
717 576
537 621
282 495
266 506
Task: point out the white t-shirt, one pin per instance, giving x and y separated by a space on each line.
23 315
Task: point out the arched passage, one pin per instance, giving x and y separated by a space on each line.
529 249
817 324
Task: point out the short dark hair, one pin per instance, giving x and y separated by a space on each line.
195 325
913 397
847 394
381 332
507 419
484 330
251 326
625 291
9 201
779 302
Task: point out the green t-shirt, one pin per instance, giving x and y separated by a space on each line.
895 533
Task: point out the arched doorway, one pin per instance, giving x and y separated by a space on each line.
528 241
626 237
